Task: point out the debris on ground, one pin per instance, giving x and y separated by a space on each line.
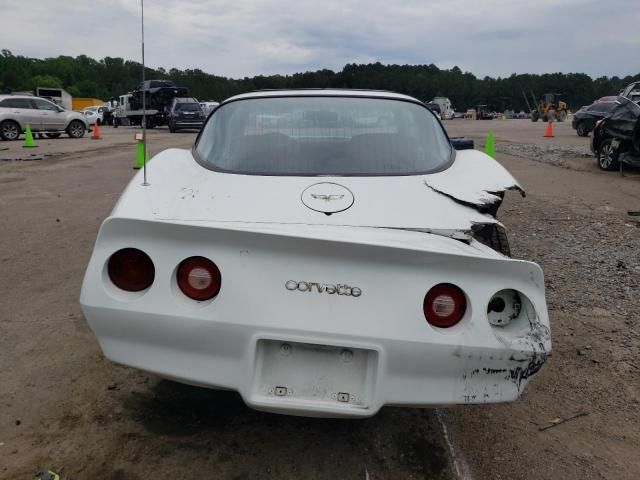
559 421
29 158
50 475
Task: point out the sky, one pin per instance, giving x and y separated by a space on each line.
238 38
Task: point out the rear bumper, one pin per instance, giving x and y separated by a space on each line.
188 123
402 372
221 343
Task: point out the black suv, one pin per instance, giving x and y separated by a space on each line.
185 113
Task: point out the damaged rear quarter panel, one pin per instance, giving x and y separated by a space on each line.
527 346
474 179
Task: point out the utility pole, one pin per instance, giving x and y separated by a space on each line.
144 105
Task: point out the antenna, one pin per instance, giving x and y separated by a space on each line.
144 106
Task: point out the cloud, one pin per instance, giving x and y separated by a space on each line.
245 38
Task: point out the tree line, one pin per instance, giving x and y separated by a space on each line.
110 77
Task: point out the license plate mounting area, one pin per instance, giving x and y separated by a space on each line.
305 373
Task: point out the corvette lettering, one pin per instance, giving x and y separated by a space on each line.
330 288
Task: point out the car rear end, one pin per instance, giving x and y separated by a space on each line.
317 320
187 114
577 117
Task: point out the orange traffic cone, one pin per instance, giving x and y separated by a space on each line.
549 132
96 132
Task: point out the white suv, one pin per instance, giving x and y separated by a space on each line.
42 116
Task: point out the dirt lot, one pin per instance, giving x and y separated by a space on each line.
63 406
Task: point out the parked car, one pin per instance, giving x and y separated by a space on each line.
92 115
185 113
97 114
208 107
16 111
616 138
584 120
327 265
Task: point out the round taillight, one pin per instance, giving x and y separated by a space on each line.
199 278
444 305
131 269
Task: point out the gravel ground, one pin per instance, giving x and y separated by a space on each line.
559 156
589 250
592 276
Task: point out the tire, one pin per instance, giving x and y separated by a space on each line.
607 156
76 129
53 135
581 129
495 237
10 130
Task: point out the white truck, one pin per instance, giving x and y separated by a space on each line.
125 115
446 111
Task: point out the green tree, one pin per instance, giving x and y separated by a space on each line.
113 76
44 81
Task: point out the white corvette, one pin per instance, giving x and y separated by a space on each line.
323 253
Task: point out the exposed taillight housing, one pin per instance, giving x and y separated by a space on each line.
504 307
131 270
199 278
444 305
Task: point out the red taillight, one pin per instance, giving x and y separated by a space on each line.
199 278
131 269
444 305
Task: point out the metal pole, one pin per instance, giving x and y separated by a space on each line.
144 106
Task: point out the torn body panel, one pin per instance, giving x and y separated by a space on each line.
475 180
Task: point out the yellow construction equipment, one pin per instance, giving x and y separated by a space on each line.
549 108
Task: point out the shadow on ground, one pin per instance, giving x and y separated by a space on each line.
238 442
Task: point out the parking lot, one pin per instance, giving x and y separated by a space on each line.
65 407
